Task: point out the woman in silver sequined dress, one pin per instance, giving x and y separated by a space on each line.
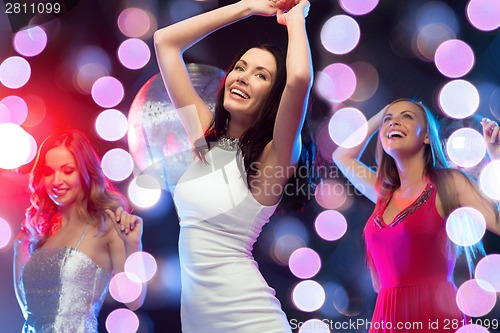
248 154
75 236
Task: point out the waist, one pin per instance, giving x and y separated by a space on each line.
418 283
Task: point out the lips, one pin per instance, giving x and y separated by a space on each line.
239 93
395 134
60 191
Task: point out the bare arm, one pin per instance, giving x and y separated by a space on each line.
172 41
283 151
348 161
21 256
124 242
286 143
471 195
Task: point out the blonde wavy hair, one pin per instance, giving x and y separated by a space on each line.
98 194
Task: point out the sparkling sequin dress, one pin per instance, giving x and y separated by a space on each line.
414 264
64 291
220 220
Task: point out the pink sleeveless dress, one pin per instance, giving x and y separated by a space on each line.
414 263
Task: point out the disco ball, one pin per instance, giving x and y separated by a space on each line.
156 138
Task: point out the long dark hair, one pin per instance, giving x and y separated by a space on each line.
251 144
97 195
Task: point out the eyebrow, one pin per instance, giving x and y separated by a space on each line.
258 67
405 111
62 166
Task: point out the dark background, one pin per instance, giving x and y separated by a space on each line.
93 22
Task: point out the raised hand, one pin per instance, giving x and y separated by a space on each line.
286 5
298 7
261 7
127 226
491 134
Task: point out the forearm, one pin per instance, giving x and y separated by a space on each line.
342 154
132 247
298 59
185 33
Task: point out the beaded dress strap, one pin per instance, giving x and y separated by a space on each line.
81 236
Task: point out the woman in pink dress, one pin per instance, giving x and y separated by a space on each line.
410 257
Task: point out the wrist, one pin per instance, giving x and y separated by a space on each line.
244 9
133 246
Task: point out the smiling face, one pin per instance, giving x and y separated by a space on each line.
403 128
61 177
249 83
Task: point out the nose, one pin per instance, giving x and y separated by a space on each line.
58 178
393 122
242 79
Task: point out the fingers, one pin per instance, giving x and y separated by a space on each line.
123 221
491 130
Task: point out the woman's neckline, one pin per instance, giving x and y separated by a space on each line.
227 143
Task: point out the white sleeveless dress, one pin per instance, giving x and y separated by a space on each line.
220 220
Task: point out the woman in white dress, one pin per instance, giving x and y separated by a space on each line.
248 154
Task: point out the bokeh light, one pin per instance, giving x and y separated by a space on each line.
111 125
367 81
33 149
15 72
284 246
325 144
289 234
304 263
489 180
459 99
432 12
134 53
341 300
107 91
134 22
30 42
122 321
123 289
348 127
330 225
465 226
144 191
314 326
466 147
5 233
472 328
340 34
141 266
17 109
429 38
331 194
92 63
117 164
358 7
473 300
37 110
484 14
494 103
338 84
5 116
15 146
308 296
488 270
454 58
